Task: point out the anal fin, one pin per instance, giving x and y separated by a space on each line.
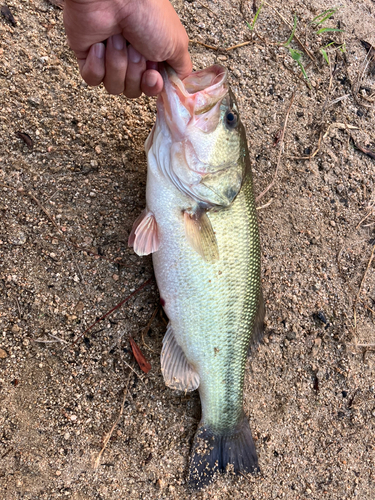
144 237
177 372
200 234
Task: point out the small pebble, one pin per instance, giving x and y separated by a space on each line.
34 101
160 484
18 238
318 342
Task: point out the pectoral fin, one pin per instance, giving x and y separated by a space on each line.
177 372
144 236
200 234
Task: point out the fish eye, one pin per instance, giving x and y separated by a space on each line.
231 119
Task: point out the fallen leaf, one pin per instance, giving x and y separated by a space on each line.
144 365
26 139
7 14
57 3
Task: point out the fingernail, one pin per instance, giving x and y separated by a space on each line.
118 42
134 55
151 79
99 50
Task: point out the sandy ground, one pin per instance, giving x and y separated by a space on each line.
67 207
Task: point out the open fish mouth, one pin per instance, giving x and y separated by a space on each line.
201 90
194 101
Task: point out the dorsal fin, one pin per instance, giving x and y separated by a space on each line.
177 372
200 234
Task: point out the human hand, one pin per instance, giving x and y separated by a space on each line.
152 29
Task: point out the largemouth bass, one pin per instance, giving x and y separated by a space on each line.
200 225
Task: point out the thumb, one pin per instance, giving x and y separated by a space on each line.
180 59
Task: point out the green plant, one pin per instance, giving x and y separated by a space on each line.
251 26
292 34
325 30
325 55
296 54
320 18
324 52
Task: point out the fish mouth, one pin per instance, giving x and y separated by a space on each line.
184 102
202 89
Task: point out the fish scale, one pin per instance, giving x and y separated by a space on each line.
209 310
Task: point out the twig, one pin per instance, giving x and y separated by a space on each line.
33 197
367 307
238 45
338 100
223 49
54 194
146 329
363 220
340 126
204 45
329 86
206 7
132 369
7 452
360 288
109 434
266 205
280 152
365 63
321 136
18 307
83 249
41 341
310 156
113 309
58 338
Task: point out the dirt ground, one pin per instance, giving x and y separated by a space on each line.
66 209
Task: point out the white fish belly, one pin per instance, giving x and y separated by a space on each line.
211 305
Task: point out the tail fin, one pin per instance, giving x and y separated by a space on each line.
212 452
